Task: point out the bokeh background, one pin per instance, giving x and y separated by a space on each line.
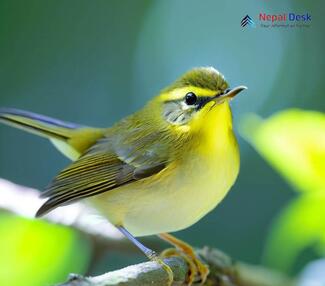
94 62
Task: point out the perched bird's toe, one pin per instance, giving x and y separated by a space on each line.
198 271
164 266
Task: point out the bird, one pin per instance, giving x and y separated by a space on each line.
156 171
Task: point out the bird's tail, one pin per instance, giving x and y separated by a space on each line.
71 139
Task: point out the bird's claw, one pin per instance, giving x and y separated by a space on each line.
198 271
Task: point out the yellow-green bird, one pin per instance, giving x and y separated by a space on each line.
156 171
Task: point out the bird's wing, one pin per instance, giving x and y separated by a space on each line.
106 165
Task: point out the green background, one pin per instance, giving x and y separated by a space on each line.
94 62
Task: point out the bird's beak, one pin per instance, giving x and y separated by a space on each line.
230 93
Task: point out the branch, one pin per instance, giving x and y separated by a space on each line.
143 274
223 270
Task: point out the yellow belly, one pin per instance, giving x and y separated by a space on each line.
177 197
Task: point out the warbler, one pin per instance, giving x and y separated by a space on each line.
156 171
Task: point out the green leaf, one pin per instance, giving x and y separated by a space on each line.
34 252
293 141
300 225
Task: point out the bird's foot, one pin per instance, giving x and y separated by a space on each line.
198 271
152 255
155 258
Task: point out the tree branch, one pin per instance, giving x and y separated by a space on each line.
223 270
143 274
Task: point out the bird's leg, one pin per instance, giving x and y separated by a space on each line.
196 266
151 254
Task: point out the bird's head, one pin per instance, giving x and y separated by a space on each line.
198 100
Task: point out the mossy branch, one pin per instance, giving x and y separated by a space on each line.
223 272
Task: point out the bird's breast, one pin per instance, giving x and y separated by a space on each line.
178 196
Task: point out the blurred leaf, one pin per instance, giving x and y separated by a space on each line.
293 141
34 252
300 225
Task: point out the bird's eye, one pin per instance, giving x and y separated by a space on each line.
190 98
